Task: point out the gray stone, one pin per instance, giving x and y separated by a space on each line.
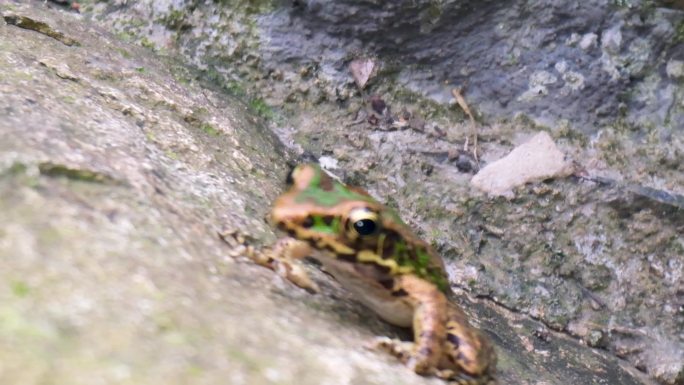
588 41
675 69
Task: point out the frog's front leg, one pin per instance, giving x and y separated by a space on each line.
429 325
282 257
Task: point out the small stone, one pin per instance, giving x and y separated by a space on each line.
542 333
574 81
573 39
542 78
438 132
675 69
595 339
427 168
561 66
60 69
538 82
536 159
588 41
378 104
611 40
465 163
417 124
328 163
373 120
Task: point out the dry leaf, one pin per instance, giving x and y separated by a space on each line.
361 70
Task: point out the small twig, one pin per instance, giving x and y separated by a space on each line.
460 100
361 116
627 331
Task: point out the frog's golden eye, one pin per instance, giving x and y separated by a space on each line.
363 222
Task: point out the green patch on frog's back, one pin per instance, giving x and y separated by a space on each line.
330 198
420 262
324 191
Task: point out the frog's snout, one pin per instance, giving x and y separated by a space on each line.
283 218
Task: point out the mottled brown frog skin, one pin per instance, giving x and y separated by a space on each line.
376 256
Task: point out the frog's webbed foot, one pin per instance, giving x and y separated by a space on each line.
282 257
402 350
239 243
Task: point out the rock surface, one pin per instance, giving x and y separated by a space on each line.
120 166
583 62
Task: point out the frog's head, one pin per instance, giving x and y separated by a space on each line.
352 225
326 212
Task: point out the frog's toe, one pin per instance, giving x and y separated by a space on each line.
419 365
240 244
296 274
405 352
457 377
395 347
467 380
402 350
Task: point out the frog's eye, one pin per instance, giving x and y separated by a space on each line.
363 222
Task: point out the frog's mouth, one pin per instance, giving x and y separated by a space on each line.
318 234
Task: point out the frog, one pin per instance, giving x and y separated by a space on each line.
375 255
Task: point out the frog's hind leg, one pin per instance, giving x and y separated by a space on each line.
429 320
469 356
282 257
